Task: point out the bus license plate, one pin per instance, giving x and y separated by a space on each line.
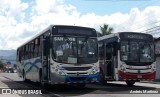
139 76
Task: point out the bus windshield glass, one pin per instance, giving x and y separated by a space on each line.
75 50
134 51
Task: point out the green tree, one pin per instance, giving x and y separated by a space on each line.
106 30
1 65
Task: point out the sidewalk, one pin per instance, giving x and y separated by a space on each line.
4 85
152 82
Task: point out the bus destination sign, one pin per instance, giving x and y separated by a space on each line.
75 31
136 36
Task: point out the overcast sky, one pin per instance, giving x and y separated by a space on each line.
22 19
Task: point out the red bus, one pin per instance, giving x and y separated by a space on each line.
127 56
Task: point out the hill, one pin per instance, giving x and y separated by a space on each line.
8 56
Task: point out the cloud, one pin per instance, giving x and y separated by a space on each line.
11 14
20 21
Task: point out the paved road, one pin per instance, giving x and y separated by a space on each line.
113 89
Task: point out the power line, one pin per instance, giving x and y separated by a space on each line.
151 28
145 18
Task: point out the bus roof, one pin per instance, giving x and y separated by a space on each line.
116 34
50 28
107 36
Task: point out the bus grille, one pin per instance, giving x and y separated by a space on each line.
75 73
77 68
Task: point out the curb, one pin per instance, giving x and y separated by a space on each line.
151 82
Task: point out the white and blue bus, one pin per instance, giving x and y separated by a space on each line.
60 54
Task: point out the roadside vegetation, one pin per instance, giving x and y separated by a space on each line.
105 29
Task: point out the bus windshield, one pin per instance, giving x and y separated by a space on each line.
134 51
75 50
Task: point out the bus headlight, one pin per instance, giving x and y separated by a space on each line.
58 69
61 73
122 68
94 70
153 66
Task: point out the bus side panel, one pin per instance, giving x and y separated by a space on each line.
31 68
19 69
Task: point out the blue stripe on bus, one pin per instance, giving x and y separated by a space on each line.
32 65
82 78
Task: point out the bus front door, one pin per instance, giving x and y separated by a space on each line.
109 63
45 61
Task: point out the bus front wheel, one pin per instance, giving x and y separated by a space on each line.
102 80
41 78
130 83
42 84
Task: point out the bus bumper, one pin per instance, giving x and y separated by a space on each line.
138 77
74 79
83 79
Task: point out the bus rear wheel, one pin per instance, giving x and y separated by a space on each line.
130 83
24 77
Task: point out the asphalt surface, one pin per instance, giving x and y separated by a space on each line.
113 89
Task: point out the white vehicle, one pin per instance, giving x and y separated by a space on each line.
15 71
127 56
60 55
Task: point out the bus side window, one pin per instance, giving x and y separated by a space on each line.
29 50
101 51
35 48
39 47
26 51
19 55
109 51
22 53
115 48
32 49
41 44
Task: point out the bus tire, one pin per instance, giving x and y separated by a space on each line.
42 84
102 80
40 77
24 77
130 83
